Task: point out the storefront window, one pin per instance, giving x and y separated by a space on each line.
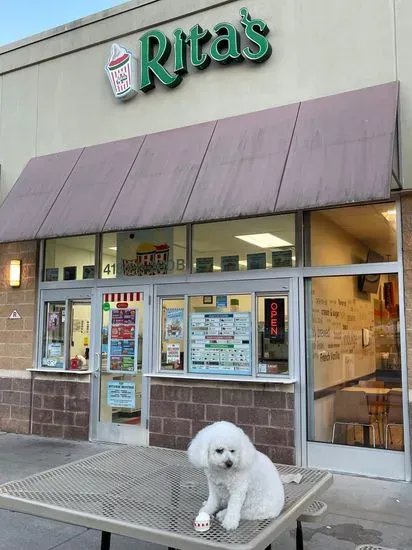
54 355
144 252
66 335
354 361
241 245
353 235
272 335
69 259
220 334
173 334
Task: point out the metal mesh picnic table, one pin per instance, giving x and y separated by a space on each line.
150 494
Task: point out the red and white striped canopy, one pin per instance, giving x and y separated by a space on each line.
123 297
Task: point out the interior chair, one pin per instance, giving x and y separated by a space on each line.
351 409
395 415
371 384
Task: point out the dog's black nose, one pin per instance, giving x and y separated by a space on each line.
229 463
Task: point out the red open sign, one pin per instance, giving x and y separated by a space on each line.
275 319
122 305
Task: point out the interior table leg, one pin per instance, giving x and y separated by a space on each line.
105 540
299 536
366 436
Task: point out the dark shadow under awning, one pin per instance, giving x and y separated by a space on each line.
324 152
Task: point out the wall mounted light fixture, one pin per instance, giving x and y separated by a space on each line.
15 273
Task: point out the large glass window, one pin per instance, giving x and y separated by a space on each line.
352 235
66 335
240 245
220 334
144 252
69 259
354 361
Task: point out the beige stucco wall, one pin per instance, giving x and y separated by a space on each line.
55 95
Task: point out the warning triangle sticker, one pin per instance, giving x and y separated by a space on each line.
15 315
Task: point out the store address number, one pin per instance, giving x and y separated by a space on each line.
111 269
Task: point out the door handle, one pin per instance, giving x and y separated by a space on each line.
96 369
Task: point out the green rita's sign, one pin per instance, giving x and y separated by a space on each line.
199 47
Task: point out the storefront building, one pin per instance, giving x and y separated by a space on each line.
207 215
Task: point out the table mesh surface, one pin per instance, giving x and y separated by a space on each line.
147 487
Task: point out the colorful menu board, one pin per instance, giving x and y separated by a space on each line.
220 343
123 341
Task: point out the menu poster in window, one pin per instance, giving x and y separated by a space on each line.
204 265
221 301
174 324
52 274
256 261
275 320
123 340
54 321
220 343
282 257
54 349
229 263
173 355
121 394
88 272
70 273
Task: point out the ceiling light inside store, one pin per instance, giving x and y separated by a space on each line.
113 248
264 240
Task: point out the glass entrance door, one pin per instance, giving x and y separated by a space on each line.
120 390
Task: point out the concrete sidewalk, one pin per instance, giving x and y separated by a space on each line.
360 510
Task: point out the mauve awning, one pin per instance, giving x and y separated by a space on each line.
341 150
325 152
243 167
33 195
161 181
90 191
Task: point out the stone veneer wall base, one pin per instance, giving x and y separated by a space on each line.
266 412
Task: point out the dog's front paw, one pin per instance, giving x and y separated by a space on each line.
230 522
221 515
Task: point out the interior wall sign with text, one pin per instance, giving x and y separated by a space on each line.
198 46
275 320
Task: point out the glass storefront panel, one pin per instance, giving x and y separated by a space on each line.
172 334
144 252
53 352
272 335
220 334
69 259
121 358
80 334
66 335
354 361
241 245
352 235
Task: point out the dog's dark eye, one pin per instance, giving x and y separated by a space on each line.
219 451
232 450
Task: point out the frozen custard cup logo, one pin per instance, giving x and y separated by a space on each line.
121 69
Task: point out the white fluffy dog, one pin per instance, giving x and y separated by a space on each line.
243 482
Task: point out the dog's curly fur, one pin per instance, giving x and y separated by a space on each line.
243 482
